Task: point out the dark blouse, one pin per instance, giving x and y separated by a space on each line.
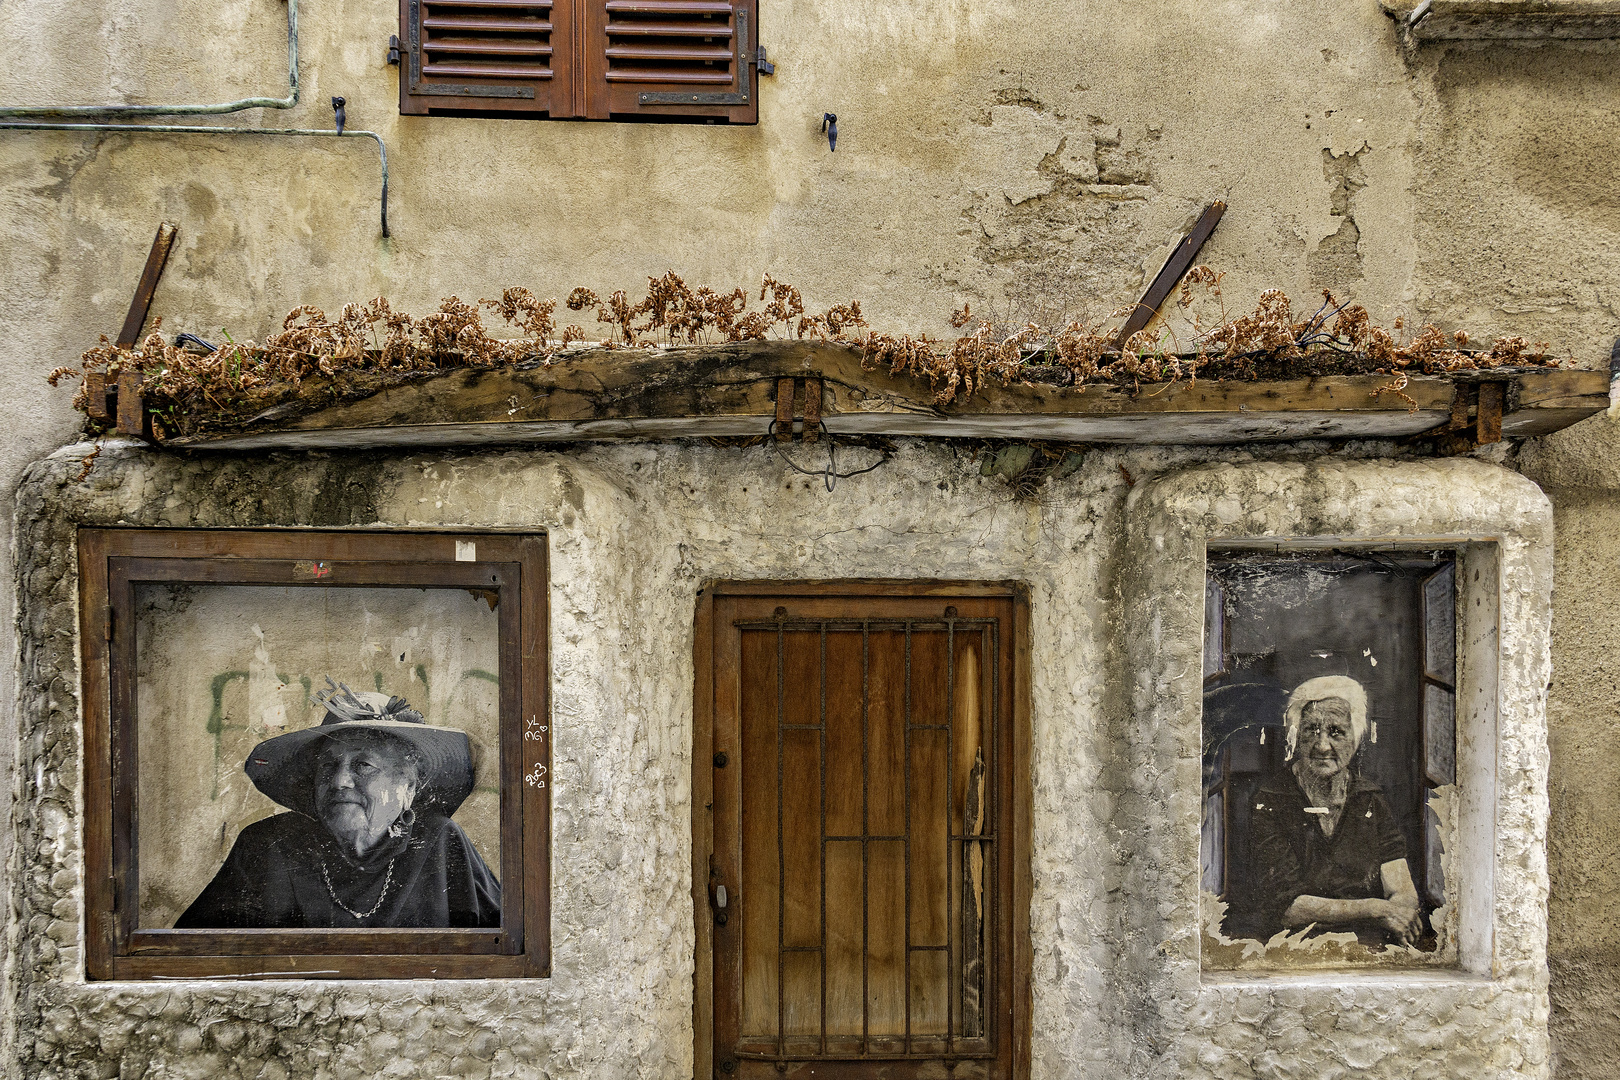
283 871
1292 857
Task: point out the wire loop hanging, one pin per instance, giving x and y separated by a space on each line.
830 475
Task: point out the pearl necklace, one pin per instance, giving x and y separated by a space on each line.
387 879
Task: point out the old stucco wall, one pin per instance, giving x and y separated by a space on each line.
634 530
1579 471
1517 230
1008 153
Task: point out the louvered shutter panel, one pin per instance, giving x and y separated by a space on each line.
677 59
486 57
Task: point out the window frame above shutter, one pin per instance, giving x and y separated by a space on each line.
606 56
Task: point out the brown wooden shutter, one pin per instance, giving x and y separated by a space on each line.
674 59
486 57
587 59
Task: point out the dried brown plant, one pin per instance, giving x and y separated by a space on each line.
1272 341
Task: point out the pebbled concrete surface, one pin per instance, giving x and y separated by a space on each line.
634 530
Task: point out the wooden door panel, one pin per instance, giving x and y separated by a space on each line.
862 791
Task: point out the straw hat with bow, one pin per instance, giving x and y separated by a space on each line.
284 767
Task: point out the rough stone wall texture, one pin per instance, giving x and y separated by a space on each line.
999 152
1582 476
634 530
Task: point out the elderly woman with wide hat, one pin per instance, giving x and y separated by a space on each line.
1327 851
369 842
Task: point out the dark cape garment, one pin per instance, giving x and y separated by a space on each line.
1292 857
283 871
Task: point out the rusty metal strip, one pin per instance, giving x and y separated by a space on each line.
1488 416
781 855
784 409
952 981
1459 409
95 392
142 303
905 889
812 410
866 829
131 408
1175 267
821 766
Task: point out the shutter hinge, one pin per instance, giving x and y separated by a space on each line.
107 624
393 49
764 66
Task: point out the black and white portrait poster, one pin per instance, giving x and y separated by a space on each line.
317 757
1329 683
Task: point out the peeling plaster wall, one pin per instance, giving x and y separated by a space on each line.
1582 475
1012 155
633 532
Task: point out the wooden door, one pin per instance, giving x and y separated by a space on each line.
862 799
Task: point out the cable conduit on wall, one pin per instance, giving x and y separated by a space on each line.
8 114
19 111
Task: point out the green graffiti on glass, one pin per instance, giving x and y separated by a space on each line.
217 720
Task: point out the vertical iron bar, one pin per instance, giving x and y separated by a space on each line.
866 830
822 847
781 859
905 891
992 894
951 979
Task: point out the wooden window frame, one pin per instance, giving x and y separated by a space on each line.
580 81
1445 557
1018 996
112 560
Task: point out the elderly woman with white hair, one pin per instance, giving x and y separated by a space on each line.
1327 851
369 841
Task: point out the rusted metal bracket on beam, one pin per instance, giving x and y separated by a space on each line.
1486 399
124 406
1174 269
798 400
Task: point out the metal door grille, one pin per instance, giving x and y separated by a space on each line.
969 975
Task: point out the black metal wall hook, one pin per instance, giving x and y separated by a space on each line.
338 114
829 127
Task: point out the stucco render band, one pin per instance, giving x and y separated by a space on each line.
1114 570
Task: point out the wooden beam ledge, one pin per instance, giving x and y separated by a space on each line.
732 390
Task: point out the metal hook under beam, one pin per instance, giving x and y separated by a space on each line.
176 129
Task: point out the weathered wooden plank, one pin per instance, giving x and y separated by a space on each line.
733 391
1460 20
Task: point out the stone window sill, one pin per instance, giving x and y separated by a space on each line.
1540 20
1343 977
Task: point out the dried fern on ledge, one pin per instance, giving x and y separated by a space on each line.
377 345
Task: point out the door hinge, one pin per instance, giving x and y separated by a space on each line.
107 624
